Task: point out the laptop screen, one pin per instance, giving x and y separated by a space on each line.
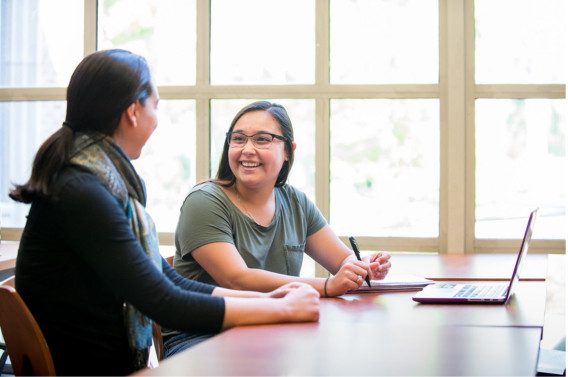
522 254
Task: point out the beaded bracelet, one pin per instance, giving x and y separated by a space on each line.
325 288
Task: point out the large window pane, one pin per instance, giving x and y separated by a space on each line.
302 114
385 158
520 165
167 163
24 126
164 32
520 41
37 49
262 42
379 41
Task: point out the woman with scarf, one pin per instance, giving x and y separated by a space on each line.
88 265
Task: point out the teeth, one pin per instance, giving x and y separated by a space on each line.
249 164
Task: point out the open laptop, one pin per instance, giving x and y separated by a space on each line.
471 293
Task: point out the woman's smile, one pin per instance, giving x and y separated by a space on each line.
250 164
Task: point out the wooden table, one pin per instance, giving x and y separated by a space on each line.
525 309
380 334
359 349
468 266
389 334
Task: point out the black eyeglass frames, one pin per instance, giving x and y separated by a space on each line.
260 140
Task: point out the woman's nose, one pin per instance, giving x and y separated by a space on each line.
249 145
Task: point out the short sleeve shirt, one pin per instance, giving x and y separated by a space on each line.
208 215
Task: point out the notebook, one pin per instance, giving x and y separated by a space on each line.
401 282
470 293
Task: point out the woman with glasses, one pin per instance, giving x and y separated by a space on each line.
248 229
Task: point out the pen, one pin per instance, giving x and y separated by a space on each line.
356 251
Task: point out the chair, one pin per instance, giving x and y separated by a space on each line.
158 340
5 367
27 348
170 260
157 329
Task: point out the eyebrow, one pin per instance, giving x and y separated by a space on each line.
257 132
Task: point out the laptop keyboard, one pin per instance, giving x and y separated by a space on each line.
489 291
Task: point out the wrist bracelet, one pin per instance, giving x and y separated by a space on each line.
325 288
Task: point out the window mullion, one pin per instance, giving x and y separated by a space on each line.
322 106
203 83
322 114
90 27
452 123
469 40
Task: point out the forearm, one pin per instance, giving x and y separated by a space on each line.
266 281
327 249
227 292
296 303
242 311
183 283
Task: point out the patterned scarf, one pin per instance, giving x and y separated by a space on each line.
100 155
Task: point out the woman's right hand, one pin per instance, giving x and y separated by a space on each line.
301 302
351 275
293 302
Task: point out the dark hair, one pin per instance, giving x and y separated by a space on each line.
101 88
225 176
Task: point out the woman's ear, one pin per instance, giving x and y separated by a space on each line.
130 114
293 148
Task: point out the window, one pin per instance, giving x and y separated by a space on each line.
259 42
383 42
161 31
387 163
520 138
422 125
520 152
37 49
32 56
524 49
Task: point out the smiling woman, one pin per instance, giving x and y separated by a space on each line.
249 229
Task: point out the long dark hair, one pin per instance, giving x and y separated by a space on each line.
225 176
101 88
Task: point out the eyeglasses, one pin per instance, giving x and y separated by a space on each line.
261 140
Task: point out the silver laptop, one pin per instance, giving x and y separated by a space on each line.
491 293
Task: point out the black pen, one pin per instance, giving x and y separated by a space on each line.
356 251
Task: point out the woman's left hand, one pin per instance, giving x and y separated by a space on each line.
379 265
285 289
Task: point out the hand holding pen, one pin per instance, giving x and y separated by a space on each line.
358 255
379 263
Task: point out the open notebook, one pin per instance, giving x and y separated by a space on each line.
479 292
402 282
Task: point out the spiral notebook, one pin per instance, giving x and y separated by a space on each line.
479 292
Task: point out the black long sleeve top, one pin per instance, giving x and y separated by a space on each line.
79 262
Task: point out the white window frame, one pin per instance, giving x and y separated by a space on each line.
456 91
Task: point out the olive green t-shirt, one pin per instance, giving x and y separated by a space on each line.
208 215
